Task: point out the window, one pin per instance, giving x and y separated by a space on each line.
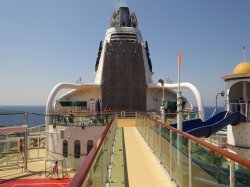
77 149
65 148
90 144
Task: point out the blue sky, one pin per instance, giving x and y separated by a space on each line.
44 42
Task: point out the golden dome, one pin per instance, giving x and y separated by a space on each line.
243 67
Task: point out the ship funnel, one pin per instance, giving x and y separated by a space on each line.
124 16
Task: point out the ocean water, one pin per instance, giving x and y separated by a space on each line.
36 115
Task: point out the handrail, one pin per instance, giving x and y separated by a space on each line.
82 172
241 160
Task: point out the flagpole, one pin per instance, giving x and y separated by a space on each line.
179 76
244 53
179 114
179 95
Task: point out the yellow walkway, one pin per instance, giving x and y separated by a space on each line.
143 167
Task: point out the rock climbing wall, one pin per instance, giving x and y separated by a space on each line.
123 80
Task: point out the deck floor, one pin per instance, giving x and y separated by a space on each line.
144 169
13 175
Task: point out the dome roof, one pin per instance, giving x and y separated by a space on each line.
243 67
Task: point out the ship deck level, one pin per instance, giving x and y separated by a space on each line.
144 169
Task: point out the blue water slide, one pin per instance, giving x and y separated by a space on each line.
195 123
199 128
208 129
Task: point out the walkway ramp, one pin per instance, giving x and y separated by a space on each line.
144 169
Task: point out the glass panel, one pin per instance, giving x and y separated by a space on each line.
109 148
157 139
97 171
242 176
2 147
174 155
182 162
144 127
208 168
148 131
12 146
151 134
105 158
165 141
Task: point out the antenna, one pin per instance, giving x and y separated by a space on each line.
244 53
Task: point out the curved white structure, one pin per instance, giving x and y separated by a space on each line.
53 137
196 93
61 86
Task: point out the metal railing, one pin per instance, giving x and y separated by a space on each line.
12 147
126 114
81 119
39 129
171 117
191 161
